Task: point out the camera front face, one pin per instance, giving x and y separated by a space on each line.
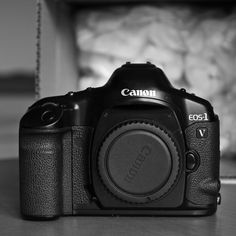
148 154
136 146
138 158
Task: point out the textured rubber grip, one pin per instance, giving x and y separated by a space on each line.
54 171
203 185
40 175
81 141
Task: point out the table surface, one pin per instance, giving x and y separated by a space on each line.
222 223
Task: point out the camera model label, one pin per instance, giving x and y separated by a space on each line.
202 132
138 93
198 117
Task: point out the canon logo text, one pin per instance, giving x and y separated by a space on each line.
138 93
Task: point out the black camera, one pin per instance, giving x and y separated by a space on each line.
136 146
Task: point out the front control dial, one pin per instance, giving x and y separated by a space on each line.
44 116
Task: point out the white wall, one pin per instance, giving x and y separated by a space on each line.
17 35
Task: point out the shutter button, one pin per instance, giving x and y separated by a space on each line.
192 160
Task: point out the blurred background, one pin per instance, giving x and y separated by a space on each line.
195 44
17 63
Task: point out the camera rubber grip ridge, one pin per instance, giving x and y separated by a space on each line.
40 187
203 184
81 142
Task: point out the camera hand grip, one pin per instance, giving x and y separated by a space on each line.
40 157
203 184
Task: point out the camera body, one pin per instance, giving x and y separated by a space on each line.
136 146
